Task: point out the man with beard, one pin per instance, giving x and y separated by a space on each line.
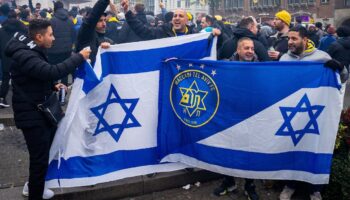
302 49
244 53
279 41
93 29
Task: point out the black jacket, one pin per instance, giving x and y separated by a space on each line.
229 47
9 28
31 72
150 33
279 42
87 36
312 35
64 32
340 50
113 29
126 34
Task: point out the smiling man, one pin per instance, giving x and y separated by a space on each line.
177 27
301 48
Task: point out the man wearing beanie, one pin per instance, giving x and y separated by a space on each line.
279 41
327 39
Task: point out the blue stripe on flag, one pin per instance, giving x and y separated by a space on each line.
150 59
316 163
80 167
86 73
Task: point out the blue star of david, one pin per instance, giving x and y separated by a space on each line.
128 105
289 113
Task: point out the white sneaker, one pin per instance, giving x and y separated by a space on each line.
316 196
287 193
48 194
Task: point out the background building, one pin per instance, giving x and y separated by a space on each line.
310 11
195 7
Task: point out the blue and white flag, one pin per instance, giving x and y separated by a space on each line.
110 128
273 120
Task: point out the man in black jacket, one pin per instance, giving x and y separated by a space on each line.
340 49
8 29
92 31
244 53
279 41
126 34
246 28
177 27
33 80
64 31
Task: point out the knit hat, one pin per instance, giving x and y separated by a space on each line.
284 16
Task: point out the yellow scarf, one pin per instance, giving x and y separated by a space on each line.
186 31
113 19
25 23
75 21
310 46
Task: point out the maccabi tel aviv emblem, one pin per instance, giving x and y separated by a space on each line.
194 97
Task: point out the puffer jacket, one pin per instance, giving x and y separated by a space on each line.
31 72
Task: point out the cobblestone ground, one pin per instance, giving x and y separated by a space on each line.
205 192
14 158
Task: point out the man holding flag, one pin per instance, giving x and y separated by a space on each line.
244 53
302 49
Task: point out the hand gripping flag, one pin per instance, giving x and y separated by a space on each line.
110 128
273 120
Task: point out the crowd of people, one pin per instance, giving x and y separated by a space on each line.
40 46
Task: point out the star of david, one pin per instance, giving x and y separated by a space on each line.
129 121
193 98
289 113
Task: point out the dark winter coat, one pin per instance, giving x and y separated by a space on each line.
312 35
87 36
127 34
229 47
279 42
31 72
63 30
150 33
9 28
340 50
113 29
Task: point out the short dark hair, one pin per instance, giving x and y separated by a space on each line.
57 5
318 25
343 31
301 30
24 14
245 22
210 19
140 8
38 26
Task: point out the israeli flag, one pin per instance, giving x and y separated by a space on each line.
110 128
273 120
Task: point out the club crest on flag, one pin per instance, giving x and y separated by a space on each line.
194 97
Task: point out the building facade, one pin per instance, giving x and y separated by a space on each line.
310 11
342 12
195 7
